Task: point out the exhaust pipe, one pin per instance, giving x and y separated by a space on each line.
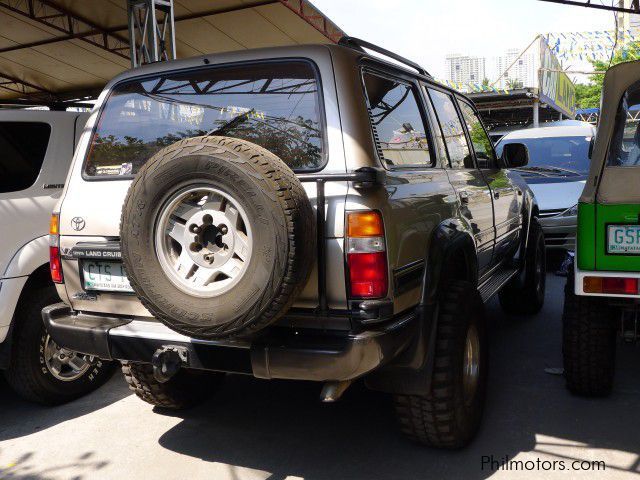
332 391
167 361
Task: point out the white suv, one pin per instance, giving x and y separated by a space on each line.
36 148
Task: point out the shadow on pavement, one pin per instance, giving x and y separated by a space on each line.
280 427
19 417
22 468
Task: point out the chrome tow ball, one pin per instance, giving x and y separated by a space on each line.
167 361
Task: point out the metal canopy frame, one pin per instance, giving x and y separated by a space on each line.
635 5
20 86
112 39
72 25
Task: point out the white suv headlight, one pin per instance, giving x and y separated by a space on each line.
570 212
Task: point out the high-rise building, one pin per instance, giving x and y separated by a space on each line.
465 69
523 69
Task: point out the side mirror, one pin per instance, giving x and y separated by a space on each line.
515 155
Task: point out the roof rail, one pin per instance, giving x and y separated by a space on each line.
360 44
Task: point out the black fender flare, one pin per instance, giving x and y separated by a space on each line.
530 210
449 238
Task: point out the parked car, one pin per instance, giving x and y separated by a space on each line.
189 243
557 170
36 148
602 292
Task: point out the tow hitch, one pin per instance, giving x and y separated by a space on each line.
167 361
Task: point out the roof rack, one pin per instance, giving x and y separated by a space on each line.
360 44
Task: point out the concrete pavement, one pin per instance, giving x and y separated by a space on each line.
278 430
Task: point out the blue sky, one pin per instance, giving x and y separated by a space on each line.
427 30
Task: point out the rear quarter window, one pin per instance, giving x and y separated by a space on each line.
275 105
23 146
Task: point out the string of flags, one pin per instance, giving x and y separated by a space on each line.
596 45
472 87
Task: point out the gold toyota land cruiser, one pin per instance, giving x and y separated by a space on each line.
308 213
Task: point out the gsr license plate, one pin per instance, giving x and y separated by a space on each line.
105 276
623 239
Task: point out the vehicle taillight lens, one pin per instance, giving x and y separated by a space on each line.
612 285
366 255
55 262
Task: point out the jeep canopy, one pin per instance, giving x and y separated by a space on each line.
614 175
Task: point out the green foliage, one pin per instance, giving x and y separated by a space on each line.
513 84
588 95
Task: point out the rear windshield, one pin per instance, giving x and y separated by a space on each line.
274 105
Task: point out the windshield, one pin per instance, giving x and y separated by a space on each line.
273 105
555 155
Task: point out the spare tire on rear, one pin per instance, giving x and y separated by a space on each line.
218 237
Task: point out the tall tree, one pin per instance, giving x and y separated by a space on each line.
588 95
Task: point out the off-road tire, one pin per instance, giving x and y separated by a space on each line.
28 374
186 389
528 298
588 342
442 419
284 240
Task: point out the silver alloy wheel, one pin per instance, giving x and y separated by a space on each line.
471 364
64 364
203 241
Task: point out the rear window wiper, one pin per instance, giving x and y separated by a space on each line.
234 122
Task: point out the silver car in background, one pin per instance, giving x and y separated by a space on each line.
557 171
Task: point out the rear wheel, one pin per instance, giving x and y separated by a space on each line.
528 298
588 342
39 369
186 389
450 415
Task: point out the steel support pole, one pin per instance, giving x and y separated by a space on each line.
151 31
536 113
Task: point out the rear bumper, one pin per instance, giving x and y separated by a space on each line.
281 353
581 274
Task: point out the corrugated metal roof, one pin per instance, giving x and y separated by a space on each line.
42 57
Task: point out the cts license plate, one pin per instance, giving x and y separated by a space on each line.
623 239
105 276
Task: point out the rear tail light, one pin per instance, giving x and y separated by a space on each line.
55 262
366 255
611 285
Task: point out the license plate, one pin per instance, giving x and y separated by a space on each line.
105 276
623 239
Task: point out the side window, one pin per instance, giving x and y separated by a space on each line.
481 142
624 149
452 130
23 146
397 122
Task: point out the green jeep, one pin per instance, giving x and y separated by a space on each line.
602 295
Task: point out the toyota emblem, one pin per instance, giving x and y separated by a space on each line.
77 223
